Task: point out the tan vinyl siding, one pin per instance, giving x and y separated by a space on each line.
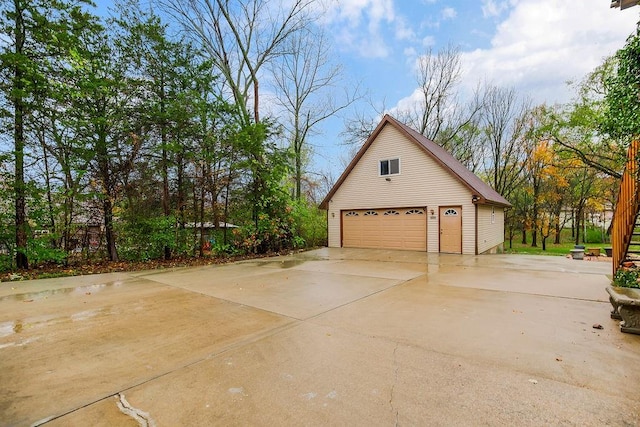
490 234
421 183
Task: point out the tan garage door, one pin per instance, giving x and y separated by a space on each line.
398 228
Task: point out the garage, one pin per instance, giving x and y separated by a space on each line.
392 228
420 198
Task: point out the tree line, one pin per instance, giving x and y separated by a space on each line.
124 137
152 134
559 165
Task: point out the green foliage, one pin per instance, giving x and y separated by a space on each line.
594 235
622 115
310 224
143 239
270 234
224 249
6 261
40 250
627 278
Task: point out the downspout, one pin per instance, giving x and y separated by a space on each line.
474 199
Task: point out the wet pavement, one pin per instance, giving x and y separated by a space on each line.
326 337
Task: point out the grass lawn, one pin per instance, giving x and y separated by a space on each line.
561 249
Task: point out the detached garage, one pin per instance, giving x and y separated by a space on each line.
403 191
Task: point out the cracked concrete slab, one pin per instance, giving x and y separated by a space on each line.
332 336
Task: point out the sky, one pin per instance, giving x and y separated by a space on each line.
534 46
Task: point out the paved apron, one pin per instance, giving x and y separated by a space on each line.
327 337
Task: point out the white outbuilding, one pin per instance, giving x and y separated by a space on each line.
403 191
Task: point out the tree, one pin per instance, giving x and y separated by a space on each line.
37 32
575 126
240 38
437 77
548 184
306 82
622 105
106 110
174 82
437 112
505 123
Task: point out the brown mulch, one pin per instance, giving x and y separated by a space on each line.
79 268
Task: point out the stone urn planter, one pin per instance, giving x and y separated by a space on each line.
626 307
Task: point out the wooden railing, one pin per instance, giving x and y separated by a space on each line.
626 211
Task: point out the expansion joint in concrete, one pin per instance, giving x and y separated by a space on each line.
393 385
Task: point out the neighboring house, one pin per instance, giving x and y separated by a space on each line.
403 191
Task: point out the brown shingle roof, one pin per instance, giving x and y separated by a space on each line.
485 193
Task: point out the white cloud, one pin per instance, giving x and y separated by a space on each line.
428 41
410 52
449 13
492 8
363 25
403 30
544 43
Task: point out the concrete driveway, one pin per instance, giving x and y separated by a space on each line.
327 337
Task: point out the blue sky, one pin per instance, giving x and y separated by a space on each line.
535 46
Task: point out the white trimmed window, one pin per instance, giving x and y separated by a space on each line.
389 167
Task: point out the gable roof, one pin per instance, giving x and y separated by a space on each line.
486 194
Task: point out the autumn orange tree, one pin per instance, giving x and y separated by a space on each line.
548 185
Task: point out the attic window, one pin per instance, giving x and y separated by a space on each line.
389 167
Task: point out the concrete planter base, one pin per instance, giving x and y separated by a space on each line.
577 254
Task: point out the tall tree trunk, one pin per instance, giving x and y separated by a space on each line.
18 134
69 199
573 223
534 230
201 208
578 224
107 207
50 208
166 209
298 171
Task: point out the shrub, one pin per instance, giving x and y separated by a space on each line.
310 224
143 239
627 278
594 235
